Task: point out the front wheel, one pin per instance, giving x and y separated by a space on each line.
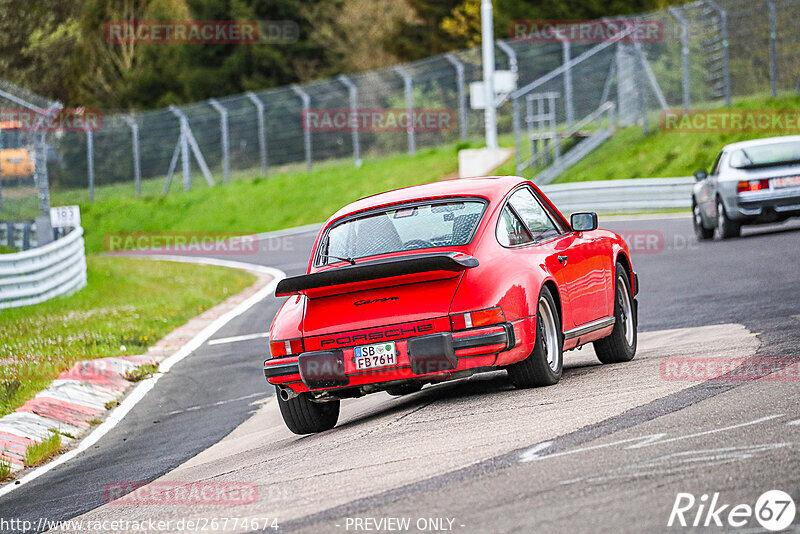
543 366
725 226
303 416
620 345
700 230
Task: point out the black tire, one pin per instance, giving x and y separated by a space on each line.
535 370
726 228
302 416
700 230
616 347
404 389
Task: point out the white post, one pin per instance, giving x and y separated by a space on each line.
137 172
487 36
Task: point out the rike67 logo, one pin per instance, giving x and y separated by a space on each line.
774 510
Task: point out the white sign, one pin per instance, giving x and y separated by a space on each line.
505 81
65 216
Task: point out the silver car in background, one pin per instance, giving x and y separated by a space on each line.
752 182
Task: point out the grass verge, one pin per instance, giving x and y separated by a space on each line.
140 373
5 469
128 305
263 204
631 154
660 153
39 453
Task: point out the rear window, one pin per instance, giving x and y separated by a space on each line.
446 223
772 155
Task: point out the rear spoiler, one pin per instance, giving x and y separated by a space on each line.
444 262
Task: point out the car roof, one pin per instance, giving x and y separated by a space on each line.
762 142
491 187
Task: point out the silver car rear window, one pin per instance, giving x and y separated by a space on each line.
771 155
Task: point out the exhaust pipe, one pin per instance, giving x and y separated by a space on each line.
286 393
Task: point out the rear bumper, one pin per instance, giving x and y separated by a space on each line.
434 356
765 205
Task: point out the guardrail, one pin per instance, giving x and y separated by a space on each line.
622 196
39 274
18 235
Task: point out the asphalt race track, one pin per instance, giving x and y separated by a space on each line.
608 449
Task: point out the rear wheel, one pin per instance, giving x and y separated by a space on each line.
725 227
620 345
700 231
303 416
543 366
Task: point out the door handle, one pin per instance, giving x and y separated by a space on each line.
562 260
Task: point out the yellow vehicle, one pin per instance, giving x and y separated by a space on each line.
16 159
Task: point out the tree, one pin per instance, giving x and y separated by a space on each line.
450 25
37 40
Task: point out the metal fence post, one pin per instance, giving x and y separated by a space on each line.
90 161
183 141
306 98
516 126
352 91
137 171
408 88
462 97
225 138
773 63
566 57
684 55
726 67
262 133
187 141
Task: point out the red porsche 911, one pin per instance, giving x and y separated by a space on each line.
439 281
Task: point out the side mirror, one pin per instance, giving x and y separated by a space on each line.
583 221
700 175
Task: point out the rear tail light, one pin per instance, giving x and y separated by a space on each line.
752 185
475 319
278 349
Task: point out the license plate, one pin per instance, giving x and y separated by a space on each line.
375 356
786 181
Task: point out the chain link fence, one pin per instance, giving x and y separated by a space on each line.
26 152
709 52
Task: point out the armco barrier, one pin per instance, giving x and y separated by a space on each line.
622 196
39 274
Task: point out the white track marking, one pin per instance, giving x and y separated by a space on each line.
533 452
220 403
307 229
796 422
678 462
117 414
642 441
234 339
646 216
